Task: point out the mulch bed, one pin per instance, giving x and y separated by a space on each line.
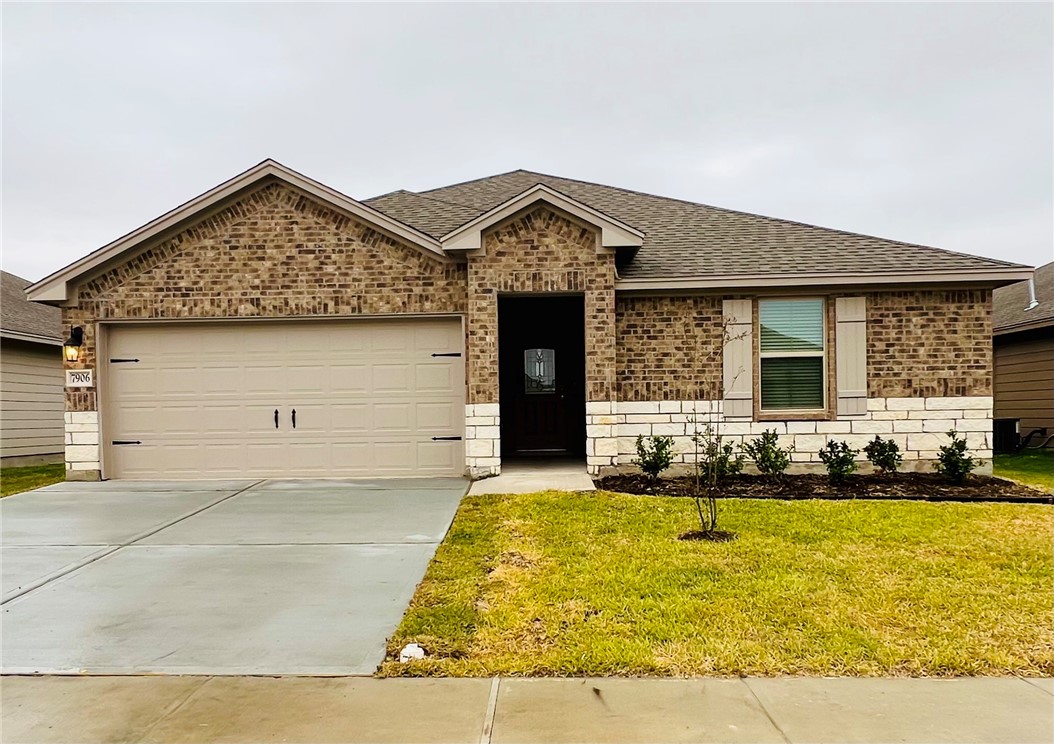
909 486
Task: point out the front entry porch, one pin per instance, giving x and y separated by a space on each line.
530 475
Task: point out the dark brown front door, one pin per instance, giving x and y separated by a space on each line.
541 343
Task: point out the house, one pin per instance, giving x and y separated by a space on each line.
31 397
1023 341
276 327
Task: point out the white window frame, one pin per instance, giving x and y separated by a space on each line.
799 354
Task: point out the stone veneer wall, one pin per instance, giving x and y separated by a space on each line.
275 253
541 251
918 425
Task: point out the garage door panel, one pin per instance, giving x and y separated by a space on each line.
440 417
433 377
369 397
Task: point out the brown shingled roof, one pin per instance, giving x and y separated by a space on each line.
685 239
1010 304
20 316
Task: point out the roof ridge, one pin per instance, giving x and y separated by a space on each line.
477 180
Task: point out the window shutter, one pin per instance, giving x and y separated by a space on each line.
851 350
738 359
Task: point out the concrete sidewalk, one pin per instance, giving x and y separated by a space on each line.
481 711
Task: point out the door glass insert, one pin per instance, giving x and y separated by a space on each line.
539 371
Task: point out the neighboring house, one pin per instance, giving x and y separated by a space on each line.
1023 320
31 397
275 327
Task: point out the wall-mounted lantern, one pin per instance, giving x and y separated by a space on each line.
71 350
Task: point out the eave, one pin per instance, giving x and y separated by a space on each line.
987 277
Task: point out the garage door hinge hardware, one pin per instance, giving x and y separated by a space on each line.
446 439
123 361
125 441
449 353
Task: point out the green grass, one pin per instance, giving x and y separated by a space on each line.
597 584
17 480
1033 467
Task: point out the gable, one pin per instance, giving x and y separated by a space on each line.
276 253
57 287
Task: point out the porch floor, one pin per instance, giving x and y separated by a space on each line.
529 476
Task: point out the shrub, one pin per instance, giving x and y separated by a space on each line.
954 462
767 454
716 461
884 454
840 460
654 455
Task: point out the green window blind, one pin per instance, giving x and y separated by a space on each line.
792 382
791 325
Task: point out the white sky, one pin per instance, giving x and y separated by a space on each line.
929 123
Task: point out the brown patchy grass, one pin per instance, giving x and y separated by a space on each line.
598 584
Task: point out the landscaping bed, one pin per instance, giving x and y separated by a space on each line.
910 486
593 584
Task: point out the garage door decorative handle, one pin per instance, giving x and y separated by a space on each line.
276 418
448 354
294 418
446 439
124 361
119 442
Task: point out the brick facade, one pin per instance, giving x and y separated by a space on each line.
668 348
929 343
541 252
276 253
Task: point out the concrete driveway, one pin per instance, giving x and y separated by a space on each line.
214 577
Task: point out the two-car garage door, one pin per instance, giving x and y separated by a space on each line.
269 399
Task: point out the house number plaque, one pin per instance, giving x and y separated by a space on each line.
80 378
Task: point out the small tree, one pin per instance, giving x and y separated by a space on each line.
654 455
714 459
766 453
840 460
954 461
884 454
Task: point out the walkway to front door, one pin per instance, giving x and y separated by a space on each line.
215 577
530 476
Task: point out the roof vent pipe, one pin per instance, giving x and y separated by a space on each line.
1031 292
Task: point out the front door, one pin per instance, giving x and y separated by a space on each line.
542 375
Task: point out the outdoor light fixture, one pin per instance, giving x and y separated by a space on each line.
71 350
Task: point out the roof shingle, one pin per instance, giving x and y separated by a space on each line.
685 239
19 315
1010 304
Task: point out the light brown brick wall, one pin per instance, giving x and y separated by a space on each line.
927 343
668 348
275 253
922 343
541 251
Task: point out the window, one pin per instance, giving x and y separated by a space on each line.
539 371
792 354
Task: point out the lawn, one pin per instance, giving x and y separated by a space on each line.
1034 467
17 480
561 583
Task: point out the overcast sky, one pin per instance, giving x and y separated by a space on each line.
929 123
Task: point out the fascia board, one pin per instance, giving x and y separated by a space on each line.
997 277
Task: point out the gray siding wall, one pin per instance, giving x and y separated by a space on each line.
31 402
1024 381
